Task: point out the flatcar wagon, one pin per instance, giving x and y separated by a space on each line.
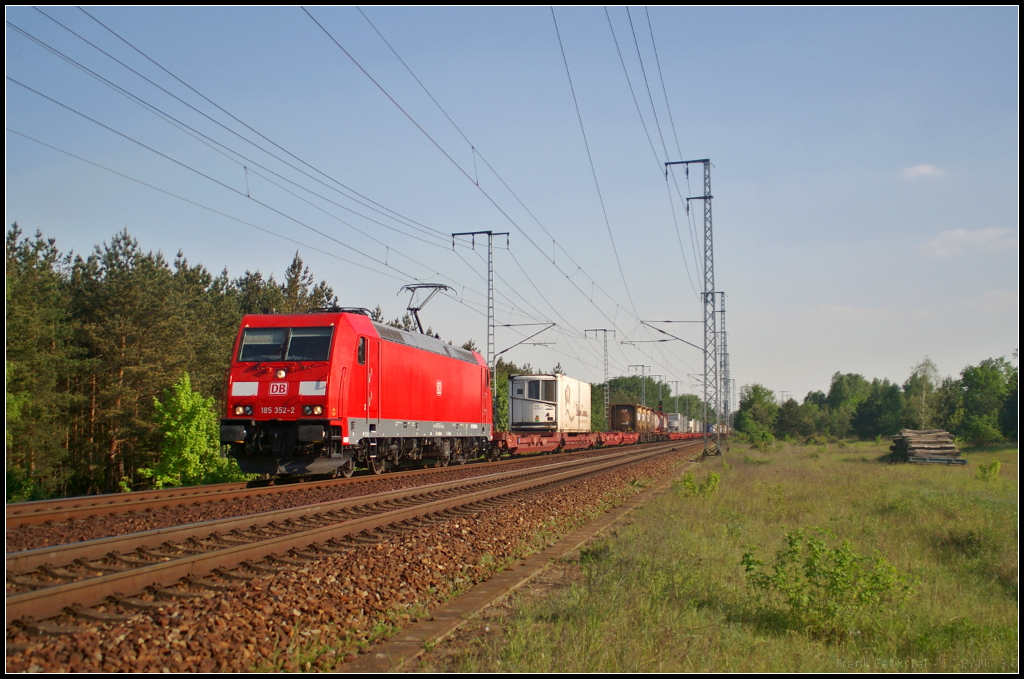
318 393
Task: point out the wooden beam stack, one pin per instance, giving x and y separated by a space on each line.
925 445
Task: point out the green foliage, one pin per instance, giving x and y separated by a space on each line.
846 392
298 292
598 415
688 486
791 421
990 471
919 391
191 442
881 413
762 440
91 341
985 388
827 593
646 389
758 410
504 370
40 359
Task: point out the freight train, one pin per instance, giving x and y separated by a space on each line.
323 392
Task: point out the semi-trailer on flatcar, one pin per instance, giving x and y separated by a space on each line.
548 403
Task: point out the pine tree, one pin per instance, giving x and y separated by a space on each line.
41 359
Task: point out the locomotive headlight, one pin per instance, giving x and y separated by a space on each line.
239 410
307 410
318 410
281 373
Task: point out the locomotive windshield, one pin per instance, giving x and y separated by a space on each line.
286 344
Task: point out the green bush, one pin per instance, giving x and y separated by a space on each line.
762 440
688 486
989 472
191 453
827 593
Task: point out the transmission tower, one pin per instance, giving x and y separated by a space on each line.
711 382
643 382
491 363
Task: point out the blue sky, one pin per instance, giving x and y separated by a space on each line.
865 169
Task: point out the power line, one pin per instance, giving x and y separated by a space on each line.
569 276
201 137
657 60
629 82
593 171
646 84
459 167
174 121
436 144
647 133
393 214
204 207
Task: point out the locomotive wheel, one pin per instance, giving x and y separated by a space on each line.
347 469
441 462
461 458
377 465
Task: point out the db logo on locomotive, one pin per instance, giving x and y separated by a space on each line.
278 388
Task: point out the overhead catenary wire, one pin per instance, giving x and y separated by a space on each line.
392 214
657 158
208 177
447 155
593 170
359 264
213 144
661 77
231 217
647 85
569 274
424 132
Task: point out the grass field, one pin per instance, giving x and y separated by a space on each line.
668 592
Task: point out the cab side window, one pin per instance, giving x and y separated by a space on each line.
361 352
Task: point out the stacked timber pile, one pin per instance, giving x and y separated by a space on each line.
925 445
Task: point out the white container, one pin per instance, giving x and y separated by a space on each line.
548 403
676 422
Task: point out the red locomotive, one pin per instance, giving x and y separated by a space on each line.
318 393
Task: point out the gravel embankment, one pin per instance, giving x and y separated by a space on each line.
319 615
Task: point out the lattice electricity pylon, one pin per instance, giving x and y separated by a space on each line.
491 363
711 381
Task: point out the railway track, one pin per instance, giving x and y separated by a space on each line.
42 512
172 562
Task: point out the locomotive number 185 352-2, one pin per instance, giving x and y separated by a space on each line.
278 410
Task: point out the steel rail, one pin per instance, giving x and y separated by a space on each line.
50 601
28 560
42 511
